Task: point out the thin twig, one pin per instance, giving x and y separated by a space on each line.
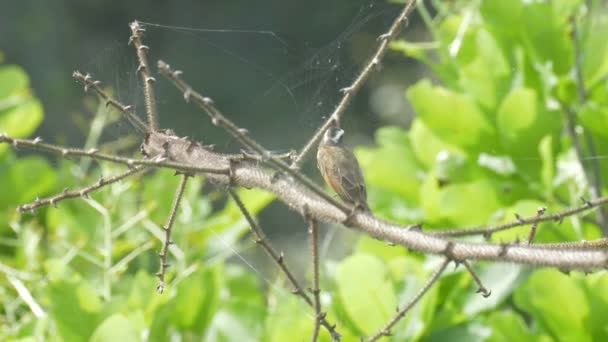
93 153
90 83
539 212
350 91
480 288
83 192
219 120
521 221
594 176
386 330
279 259
313 231
144 70
168 229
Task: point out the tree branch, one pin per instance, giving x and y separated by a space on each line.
487 231
144 70
89 83
350 91
226 170
168 229
83 192
279 259
385 331
313 231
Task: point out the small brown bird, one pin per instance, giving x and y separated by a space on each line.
340 169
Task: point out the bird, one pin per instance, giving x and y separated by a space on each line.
340 169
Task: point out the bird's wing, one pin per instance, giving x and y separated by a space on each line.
352 178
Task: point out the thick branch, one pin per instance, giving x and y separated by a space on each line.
350 91
297 196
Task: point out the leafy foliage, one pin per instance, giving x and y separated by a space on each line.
488 142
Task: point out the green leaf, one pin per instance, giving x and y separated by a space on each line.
451 116
545 36
241 317
501 279
522 123
595 118
542 296
392 165
487 77
482 201
13 81
547 170
115 328
366 292
25 179
426 145
595 62
507 326
196 299
76 316
22 120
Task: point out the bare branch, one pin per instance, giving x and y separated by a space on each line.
581 245
84 192
224 170
127 111
219 120
386 330
159 161
168 229
540 212
480 288
144 70
350 91
313 231
521 221
279 259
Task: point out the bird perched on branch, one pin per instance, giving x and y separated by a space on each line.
340 169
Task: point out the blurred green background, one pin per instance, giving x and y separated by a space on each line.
463 125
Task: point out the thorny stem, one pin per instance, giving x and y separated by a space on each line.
313 231
480 288
350 91
84 192
594 177
296 195
144 70
219 120
521 221
386 330
279 259
594 244
37 144
168 229
127 111
540 212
